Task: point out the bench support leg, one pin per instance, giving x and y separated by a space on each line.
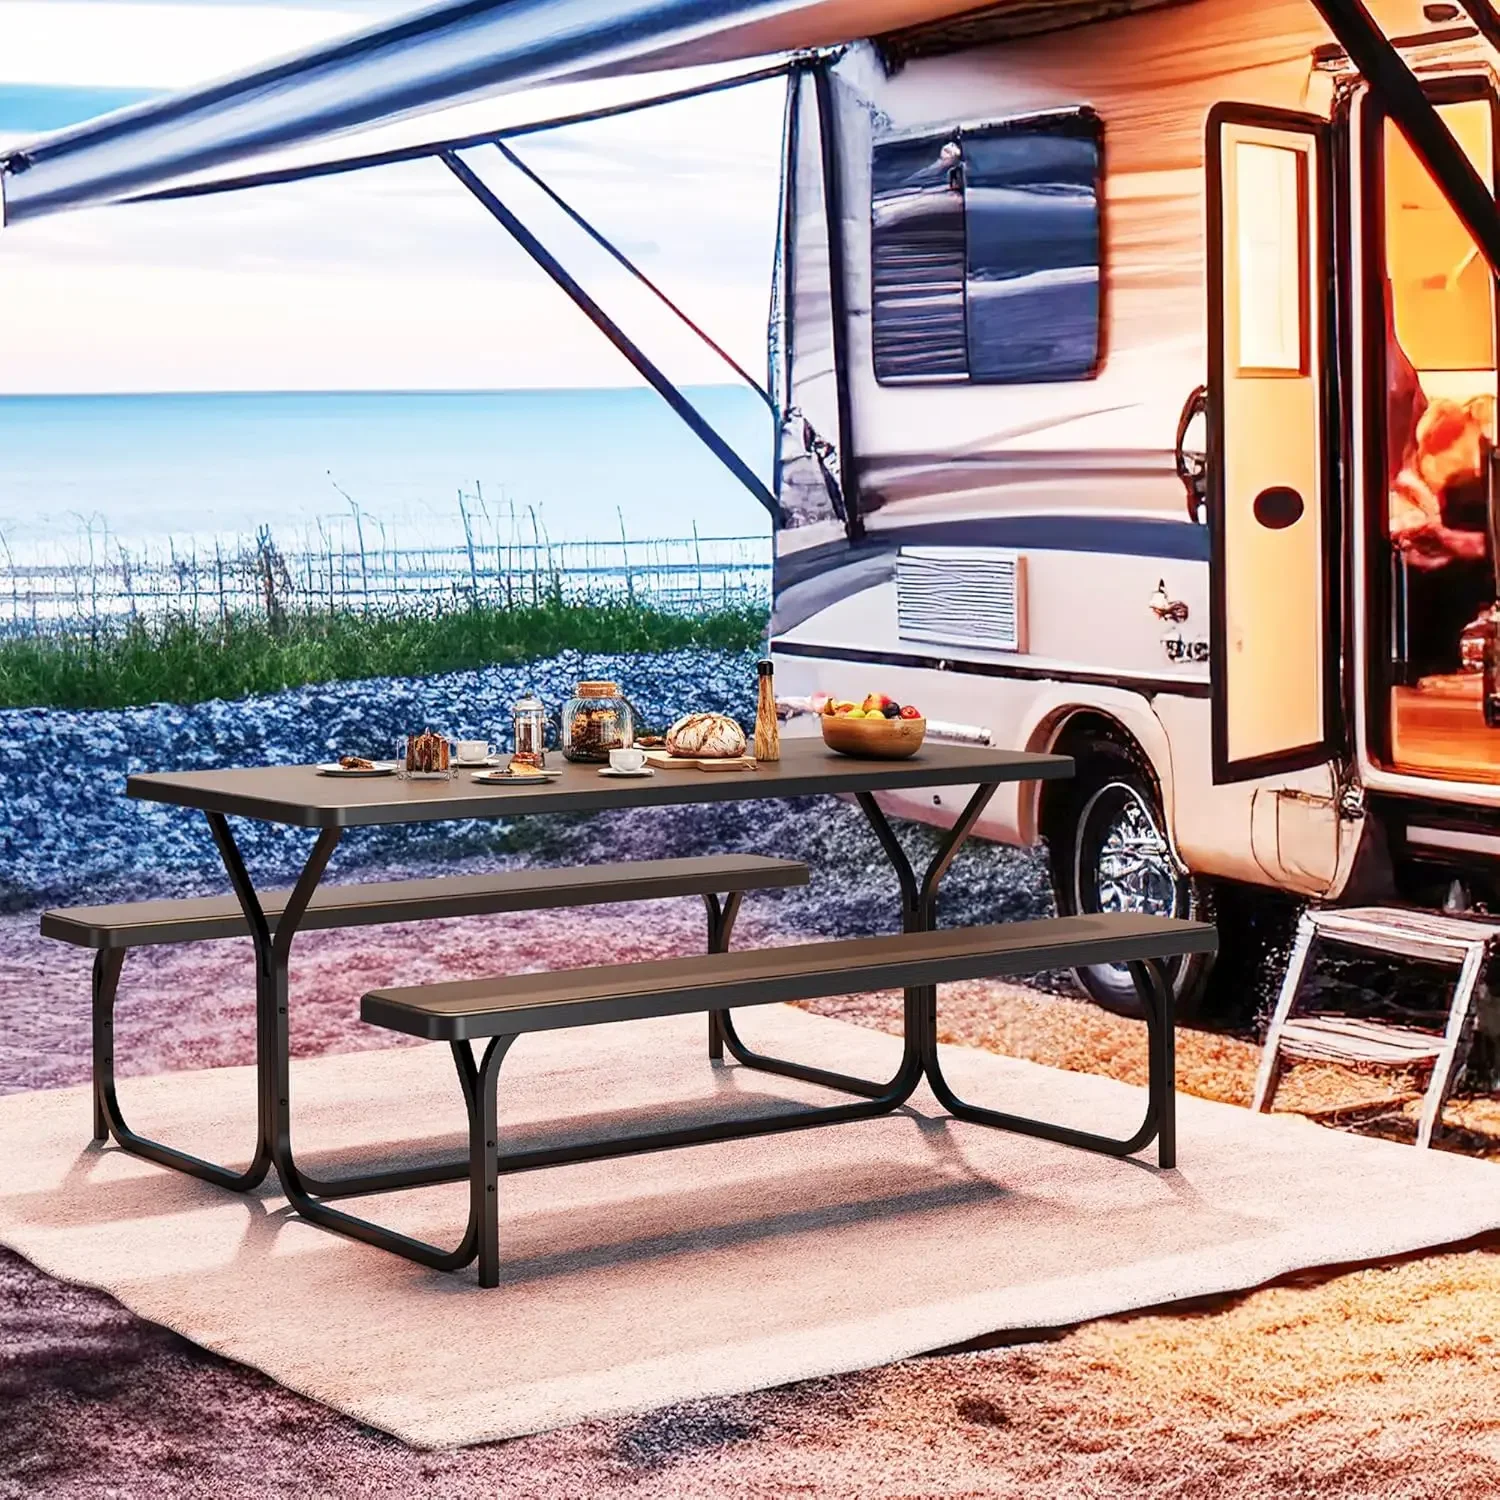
1160 1123
918 908
107 965
481 1235
109 1118
721 915
919 914
480 1093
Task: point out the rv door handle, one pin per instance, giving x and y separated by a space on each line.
1192 463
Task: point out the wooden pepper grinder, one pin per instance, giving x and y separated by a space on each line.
767 730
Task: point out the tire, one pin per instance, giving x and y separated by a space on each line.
1109 852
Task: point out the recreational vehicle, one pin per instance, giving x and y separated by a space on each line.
1141 385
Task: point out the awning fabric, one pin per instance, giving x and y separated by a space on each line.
450 53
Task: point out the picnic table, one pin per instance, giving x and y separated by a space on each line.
498 1010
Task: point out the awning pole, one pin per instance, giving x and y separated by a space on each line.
612 331
833 209
1396 88
624 260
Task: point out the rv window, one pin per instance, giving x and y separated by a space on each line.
917 245
985 253
1271 251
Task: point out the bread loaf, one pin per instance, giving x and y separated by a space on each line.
706 736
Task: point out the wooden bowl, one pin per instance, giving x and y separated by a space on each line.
874 739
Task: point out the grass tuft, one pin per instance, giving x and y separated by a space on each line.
180 659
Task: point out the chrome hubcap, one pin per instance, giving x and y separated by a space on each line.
1132 870
1135 865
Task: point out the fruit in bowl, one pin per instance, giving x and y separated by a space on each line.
878 727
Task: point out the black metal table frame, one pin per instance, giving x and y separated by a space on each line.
310 1196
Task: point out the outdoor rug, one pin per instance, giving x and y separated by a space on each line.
632 1284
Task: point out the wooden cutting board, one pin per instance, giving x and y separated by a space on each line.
665 762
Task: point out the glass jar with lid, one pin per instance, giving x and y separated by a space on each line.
596 720
529 718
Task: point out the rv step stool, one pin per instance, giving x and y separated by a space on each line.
1461 942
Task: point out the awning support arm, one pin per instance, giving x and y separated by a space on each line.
612 331
1396 88
624 260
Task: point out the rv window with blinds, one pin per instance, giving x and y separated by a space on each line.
985 252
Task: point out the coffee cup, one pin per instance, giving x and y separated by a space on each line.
629 759
473 750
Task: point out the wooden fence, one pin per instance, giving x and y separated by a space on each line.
115 583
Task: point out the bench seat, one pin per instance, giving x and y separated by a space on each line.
506 1007
112 932
510 1005
138 924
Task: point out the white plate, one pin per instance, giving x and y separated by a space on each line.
505 778
630 775
474 765
380 768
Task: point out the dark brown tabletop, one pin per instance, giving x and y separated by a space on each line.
300 796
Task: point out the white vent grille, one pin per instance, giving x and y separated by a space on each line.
962 596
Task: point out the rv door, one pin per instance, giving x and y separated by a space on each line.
1274 652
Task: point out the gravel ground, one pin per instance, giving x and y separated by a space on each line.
69 834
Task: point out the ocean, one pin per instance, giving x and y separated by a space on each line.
92 476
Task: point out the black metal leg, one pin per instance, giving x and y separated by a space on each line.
721 917
487 1164
1160 1121
1154 986
107 965
273 952
484 1159
481 1235
918 908
919 902
109 1118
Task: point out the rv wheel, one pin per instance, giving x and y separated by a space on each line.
1109 853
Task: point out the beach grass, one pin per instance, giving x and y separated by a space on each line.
190 659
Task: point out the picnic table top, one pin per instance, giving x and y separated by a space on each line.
301 797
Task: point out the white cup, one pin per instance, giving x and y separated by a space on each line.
630 759
473 750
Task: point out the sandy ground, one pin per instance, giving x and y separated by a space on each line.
1380 1382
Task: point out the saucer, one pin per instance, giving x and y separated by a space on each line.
479 765
380 768
627 775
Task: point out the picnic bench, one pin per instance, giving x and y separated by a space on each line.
504 1008
722 880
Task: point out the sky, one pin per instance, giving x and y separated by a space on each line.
392 279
